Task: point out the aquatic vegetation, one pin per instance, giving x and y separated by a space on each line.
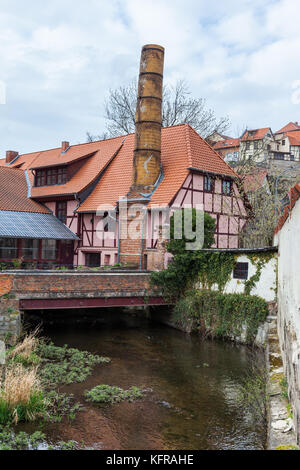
20 441
60 405
64 365
9 440
109 394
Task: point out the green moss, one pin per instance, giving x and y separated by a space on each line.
287 447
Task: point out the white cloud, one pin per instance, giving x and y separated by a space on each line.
59 59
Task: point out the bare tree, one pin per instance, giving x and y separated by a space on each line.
178 107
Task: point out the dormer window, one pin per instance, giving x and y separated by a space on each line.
51 176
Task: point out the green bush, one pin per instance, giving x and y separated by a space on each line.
221 315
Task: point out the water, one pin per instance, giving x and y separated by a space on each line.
193 404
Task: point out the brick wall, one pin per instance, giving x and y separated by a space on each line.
73 284
50 286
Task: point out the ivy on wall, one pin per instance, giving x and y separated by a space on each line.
259 261
195 283
220 315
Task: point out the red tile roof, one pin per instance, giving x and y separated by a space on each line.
97 155
257 134
254 181
13 193
294 195
182 148
291 126
228 143
293 140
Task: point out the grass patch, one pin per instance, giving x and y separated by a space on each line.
21 397
109 394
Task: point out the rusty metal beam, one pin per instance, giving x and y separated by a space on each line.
101 302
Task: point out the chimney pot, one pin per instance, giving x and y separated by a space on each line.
65 145
11 155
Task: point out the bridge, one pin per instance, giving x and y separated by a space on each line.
47 290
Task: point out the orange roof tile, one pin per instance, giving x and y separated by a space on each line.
13 192
254 181
257 134
294 195
291 126
182 148
228 143
293 140
103 152
87 174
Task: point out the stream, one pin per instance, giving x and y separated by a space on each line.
193 385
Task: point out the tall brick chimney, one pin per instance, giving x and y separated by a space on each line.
11 155
146 157
147 148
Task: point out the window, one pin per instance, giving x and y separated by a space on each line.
40 178
240 271
292 158
49 249
51 176
106 260
255 144
247 145
226 187
279 156
283 142
93 260
61 211
30 249
208 183
8 248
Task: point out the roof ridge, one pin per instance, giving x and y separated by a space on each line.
216 153
75 145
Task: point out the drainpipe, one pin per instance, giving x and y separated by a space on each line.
142 239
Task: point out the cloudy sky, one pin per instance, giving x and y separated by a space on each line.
59 59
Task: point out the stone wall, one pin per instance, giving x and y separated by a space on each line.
10 318
289 307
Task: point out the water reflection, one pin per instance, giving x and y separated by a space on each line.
195 385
